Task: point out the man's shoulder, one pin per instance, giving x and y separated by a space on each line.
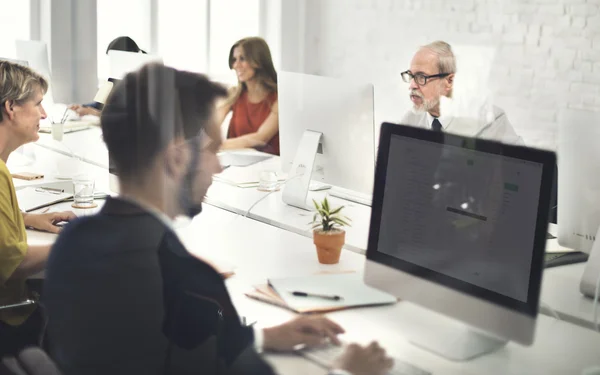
100 234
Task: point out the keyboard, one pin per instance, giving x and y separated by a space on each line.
232 159
325 355
318 186
563 259
352 196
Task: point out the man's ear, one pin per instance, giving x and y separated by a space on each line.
177 159
450 80
449 84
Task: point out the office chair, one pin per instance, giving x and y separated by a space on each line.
31 361
18 304
30 301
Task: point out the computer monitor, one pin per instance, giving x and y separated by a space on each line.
326 133
578 178
20 62
121 62
458 226
35 53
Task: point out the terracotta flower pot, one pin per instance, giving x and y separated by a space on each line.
329 245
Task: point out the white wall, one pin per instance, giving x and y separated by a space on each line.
548 51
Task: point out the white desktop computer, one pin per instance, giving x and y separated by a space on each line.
458 227
326 134
121 62
20 62
578 178
35 53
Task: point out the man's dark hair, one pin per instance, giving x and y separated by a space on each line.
124 43
149 108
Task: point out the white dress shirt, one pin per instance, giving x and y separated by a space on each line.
499 129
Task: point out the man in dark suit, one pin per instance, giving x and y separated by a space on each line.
122 294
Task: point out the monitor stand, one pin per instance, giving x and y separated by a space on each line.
298 182
447 337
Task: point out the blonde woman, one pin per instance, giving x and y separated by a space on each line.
21 94
254 122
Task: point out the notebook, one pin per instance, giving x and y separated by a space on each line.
33 198
350 287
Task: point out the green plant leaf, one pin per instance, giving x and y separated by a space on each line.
341 222
316 204
326 204
337 210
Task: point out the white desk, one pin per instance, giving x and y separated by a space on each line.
560 348
55 166
560 289
84 144
273 211
88 146
560 292
262 250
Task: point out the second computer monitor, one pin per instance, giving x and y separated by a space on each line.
327 123
458 226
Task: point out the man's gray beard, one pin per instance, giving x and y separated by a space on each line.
425 107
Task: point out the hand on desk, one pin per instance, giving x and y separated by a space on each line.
305 330
368 360
82 110
47 222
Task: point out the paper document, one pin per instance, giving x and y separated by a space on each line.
349 287
33 198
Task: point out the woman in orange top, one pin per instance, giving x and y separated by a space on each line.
254 122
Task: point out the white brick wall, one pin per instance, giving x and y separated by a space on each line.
548 51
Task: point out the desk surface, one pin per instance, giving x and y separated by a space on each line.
559 348
84 144
560 292
284 248
55 167
273 211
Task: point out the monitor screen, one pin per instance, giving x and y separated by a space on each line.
460 216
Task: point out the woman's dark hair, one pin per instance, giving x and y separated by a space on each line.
124 43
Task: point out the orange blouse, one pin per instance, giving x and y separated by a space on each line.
248 117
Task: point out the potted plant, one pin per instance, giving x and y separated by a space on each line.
328 233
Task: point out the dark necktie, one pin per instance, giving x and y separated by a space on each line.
436 125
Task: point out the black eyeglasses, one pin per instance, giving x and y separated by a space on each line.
420 78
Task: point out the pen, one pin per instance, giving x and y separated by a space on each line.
304 294
64 117
52 189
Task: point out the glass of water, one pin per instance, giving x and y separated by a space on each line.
83 192
268 181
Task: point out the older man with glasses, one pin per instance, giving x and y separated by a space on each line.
431 76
